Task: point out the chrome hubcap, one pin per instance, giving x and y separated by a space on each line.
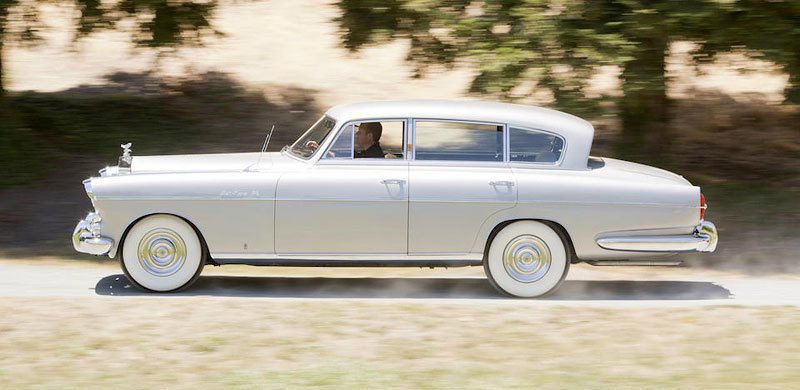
527 258
162 252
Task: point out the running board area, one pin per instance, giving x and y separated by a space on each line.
656 263
349 263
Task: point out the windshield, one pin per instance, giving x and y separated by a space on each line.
309 142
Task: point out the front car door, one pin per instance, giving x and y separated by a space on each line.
350 202
459 176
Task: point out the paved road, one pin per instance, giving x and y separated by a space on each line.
586 285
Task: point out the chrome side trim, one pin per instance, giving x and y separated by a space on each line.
350 263
354 257
86 237
703 239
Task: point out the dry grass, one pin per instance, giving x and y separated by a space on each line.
245 343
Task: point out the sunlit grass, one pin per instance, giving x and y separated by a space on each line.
233 343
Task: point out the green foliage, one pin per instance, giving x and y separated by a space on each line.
770 30
209 112
156 24
74 122
559 45
35 125
22 156
39 128
561 42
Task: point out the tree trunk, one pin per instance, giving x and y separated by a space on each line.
3 17
792 91
645 106
2 71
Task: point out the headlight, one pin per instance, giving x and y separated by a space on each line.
87 184
114 171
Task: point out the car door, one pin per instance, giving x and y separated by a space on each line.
458 177
344 205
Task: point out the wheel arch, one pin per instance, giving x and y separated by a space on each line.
206 255
557 227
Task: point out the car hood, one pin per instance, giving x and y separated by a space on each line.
641 169
218 162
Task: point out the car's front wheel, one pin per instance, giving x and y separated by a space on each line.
162 253
526 259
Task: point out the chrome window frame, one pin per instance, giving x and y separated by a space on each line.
360 161
413 133
544 164
324 156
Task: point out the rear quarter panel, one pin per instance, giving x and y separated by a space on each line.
595 203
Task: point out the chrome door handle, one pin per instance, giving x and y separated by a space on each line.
501 183
393 181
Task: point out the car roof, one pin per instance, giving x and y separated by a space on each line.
577 132
468 110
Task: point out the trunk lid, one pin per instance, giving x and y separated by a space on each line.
641 169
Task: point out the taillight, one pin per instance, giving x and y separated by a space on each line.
703 206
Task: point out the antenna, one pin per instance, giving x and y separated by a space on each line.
266 143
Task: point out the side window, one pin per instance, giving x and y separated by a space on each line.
343 146
458 141
369 139
534 146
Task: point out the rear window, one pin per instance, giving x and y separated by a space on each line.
534 146
458 141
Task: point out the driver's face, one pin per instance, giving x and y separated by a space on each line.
363 138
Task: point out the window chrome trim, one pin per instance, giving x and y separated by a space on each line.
544 164
327 161
505 142
336 139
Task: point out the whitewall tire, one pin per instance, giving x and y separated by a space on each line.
527 259
162 253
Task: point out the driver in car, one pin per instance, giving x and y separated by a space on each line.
368 136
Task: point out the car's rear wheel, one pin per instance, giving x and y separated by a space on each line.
162 253
527 259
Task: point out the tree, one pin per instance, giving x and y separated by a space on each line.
561 43
157 24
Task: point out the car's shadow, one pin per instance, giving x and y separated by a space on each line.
418 288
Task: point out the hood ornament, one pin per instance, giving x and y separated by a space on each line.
125 159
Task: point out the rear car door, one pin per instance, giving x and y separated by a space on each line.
458 177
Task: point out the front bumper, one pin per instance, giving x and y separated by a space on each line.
86 237
703 239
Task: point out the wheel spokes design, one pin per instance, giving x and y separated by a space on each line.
162 252
527 258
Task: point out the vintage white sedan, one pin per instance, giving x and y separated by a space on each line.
427 183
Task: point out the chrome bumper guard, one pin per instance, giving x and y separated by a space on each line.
703 239
86 237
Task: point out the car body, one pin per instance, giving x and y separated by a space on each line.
458 174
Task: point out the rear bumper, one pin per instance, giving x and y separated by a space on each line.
86 237
703 239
